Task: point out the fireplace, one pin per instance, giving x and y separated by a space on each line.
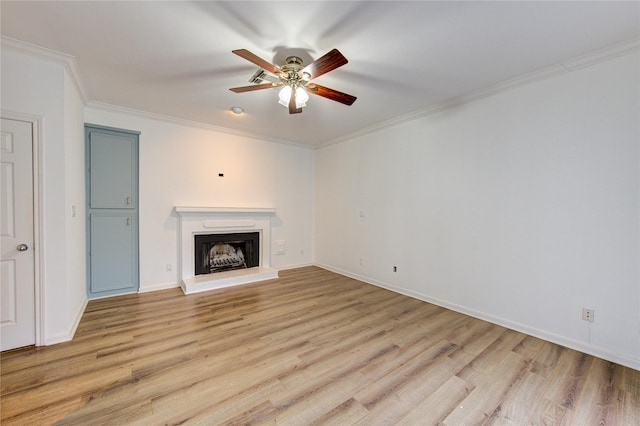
225 252
216 249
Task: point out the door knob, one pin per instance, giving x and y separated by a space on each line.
22 247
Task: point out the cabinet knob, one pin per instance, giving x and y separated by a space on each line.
128 201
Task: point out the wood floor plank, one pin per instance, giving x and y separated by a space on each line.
429 382
232 402
598 393
628 408
45 414
347 413
306 403
62 391
569 375
388 412
489 394
311 347
412 364
523 398
433 409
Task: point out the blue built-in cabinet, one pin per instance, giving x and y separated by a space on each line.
112 210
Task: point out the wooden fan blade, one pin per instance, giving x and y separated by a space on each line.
326 63
328 93
254 87
292 104
244 53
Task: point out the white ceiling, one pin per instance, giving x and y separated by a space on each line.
174 58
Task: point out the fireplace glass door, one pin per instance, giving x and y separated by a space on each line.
224 252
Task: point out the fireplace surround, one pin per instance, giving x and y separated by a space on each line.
223 223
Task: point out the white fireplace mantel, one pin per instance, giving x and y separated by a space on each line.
195 220
184 210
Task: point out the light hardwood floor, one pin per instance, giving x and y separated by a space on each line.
311 347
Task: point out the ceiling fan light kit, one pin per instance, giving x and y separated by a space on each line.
300 99
295 79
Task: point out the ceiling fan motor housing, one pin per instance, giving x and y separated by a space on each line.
291 74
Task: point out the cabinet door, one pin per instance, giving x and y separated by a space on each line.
112 211
112 170
112 254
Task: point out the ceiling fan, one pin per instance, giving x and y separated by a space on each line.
295 79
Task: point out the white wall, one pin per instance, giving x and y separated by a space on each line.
40 87
179 166
520 208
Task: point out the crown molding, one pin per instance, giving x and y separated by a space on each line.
68 61
188 123
570 65
601 55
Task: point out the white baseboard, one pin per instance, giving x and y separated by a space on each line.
516 326
301 265
156 287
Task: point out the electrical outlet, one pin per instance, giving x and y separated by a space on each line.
588 314
169 267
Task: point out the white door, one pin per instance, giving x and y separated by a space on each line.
17 260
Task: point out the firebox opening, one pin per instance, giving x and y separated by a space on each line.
224 252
